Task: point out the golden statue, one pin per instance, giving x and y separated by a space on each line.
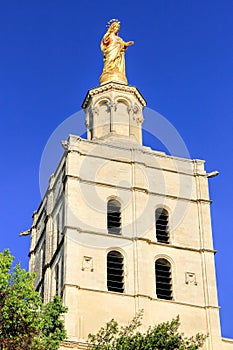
113 48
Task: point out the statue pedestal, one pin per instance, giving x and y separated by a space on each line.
118 77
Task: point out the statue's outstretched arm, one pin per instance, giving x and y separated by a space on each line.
128 43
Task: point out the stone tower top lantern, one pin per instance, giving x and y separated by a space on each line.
114 110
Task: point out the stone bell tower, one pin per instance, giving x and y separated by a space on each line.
123 227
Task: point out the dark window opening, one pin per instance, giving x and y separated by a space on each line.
114 217
162 231
115 272
163 279
42 291
58 229
62 276
43 256
57 279
59 276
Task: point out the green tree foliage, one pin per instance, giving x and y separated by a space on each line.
164 336
25 323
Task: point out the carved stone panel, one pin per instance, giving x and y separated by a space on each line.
190 278
87 264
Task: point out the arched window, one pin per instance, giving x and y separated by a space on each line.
114 217
115 272
161 222
163 279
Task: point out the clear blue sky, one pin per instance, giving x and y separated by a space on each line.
181 62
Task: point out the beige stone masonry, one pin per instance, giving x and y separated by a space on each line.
70 240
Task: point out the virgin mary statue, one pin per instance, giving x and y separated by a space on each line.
113 49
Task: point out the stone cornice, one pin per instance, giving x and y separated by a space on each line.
139 189
114 86
72 344
228 340
72 147
142 239
144 296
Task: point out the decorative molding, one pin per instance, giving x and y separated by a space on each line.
71 344
114 86
140 119
190 278
137 188
123 295
112 106
95 110
87 264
